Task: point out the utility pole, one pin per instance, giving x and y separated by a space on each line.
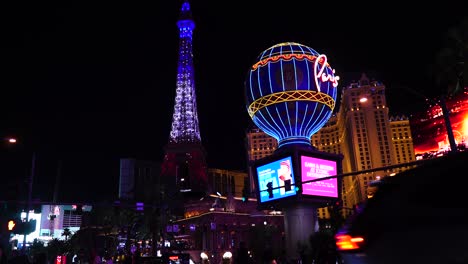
29 202
446 114
52 215
448 125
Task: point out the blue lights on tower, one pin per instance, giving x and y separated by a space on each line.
185 128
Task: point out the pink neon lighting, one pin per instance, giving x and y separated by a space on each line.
314 168
321 63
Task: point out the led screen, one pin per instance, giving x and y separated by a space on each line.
315 168
276 174
429 130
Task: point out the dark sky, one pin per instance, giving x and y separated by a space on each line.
91 83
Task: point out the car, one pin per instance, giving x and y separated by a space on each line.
417 216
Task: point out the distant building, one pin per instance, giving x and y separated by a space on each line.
402 139
366 138
139 180
226 181
259 144
52 220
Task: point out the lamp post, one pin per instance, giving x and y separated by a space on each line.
12 140
30 185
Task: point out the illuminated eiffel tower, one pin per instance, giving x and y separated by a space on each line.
184 166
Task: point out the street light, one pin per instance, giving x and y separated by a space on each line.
30 184
12 140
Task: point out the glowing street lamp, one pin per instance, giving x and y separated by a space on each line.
204 258
9 140
227 256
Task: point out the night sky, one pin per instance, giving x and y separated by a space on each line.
89 84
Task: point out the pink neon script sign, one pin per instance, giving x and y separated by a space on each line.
314 168
321 74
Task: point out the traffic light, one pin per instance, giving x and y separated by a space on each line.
337 206
12 225
270 189
16 226
338 203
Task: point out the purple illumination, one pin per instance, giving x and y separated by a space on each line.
185 127
315 168
140 206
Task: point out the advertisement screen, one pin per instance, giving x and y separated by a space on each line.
316 168
429 129
277 175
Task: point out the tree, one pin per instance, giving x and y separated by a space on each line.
56 247
449 66
66 233
37 247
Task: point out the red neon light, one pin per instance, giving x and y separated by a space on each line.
320 62
286 57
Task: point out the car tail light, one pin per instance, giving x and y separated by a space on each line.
347 242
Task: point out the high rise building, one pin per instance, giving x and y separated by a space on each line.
139 180
363 132
259 144
184 166
226 181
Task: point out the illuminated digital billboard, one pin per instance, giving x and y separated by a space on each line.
277 175
429 128
313 168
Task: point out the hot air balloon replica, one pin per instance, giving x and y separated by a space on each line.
291 92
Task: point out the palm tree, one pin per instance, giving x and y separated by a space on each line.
66 232
56 247
450 60
448 71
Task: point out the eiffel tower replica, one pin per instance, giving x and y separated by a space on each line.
184 169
